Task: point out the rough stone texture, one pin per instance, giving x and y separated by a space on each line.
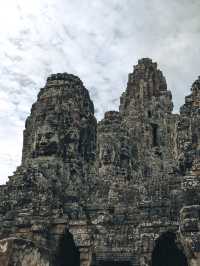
16 251
108 191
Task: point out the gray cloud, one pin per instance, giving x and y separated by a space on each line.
97 40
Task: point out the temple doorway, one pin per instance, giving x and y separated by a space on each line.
67 253
167 253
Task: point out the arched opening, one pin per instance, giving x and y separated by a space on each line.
167 253
67 252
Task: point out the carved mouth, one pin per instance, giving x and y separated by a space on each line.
47 149
106 157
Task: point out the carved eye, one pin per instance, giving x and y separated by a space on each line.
39 136
49 135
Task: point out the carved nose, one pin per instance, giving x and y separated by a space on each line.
43 140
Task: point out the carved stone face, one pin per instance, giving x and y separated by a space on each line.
46 142
70 143
124 151
196 167
107 154
189 218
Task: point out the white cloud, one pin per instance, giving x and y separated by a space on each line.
97 40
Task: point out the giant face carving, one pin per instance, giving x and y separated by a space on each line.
46 142
125 150
70 143
107 153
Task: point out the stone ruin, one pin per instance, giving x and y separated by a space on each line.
121 192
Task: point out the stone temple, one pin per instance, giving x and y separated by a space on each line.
121 192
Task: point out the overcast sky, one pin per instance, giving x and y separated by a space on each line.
98 40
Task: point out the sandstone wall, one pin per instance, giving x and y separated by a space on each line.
114 189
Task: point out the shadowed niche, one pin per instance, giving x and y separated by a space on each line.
67 253
167 253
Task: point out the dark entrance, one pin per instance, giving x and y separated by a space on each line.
67 253
155 135
166 252
114 263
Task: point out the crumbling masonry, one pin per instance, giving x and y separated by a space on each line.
123 192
